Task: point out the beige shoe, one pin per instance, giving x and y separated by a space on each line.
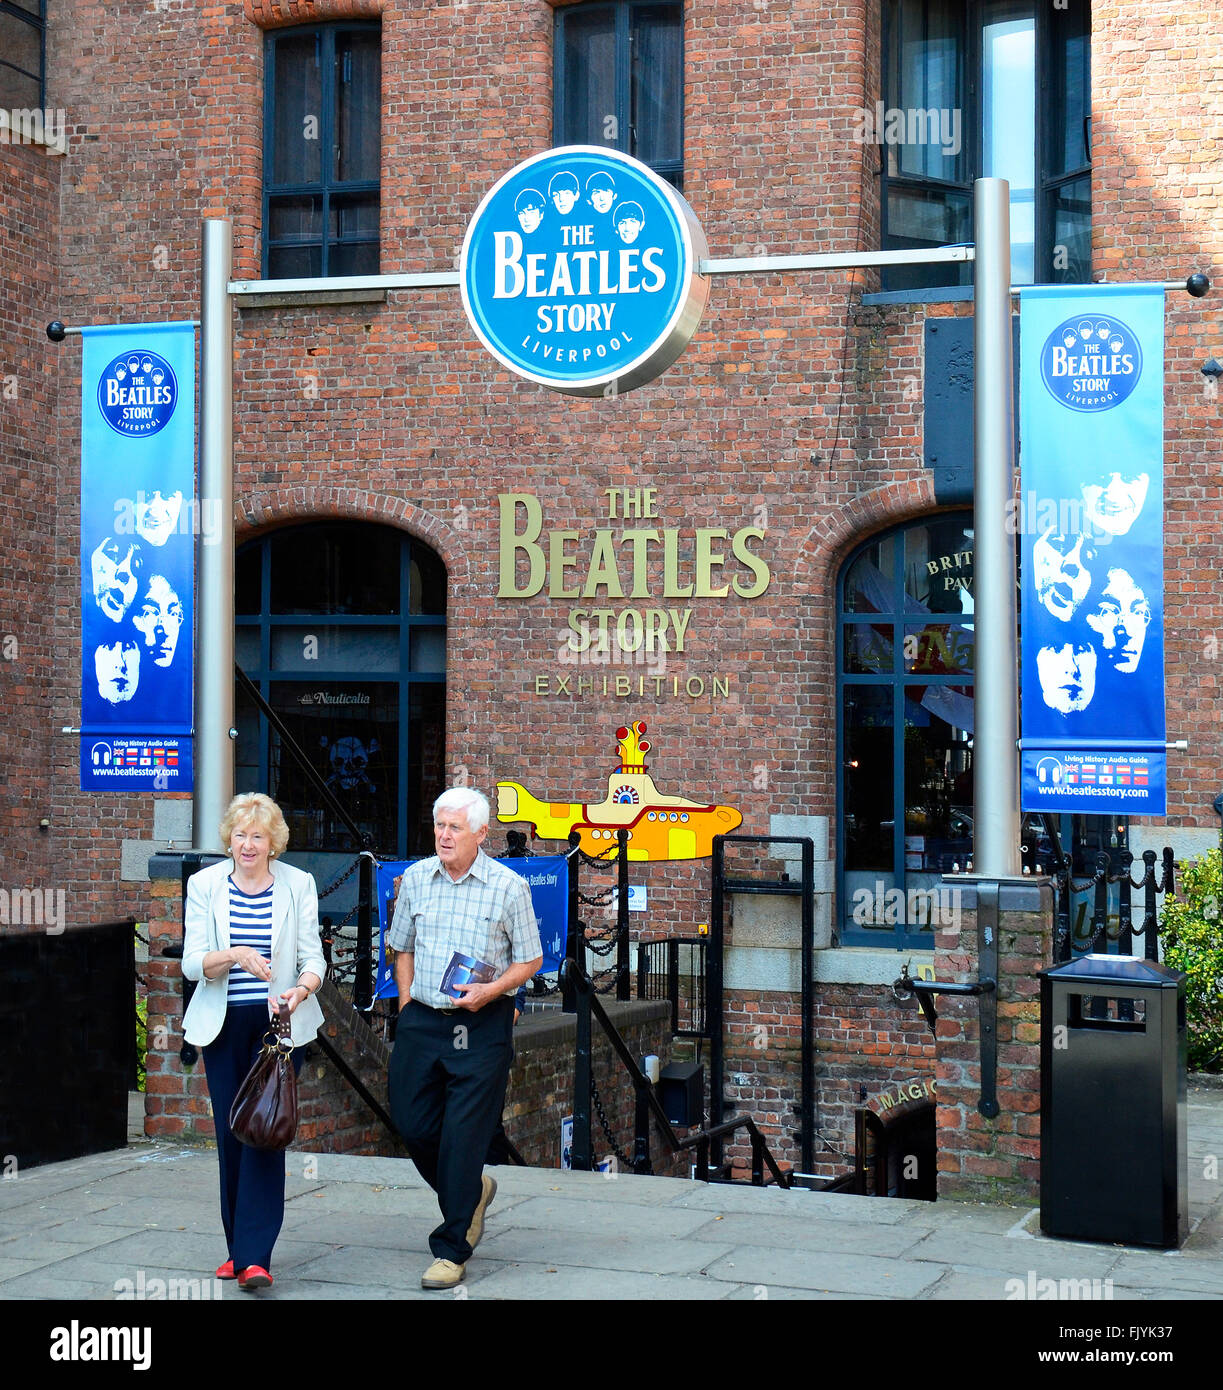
488 1190
443 1274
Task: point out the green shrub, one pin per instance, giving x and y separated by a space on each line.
1192 934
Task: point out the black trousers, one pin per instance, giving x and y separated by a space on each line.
252 1180
447 1082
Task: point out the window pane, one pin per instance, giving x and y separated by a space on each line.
924 132
295 262
938 649
1069 90
354 215
938 782
246 647
657 84
350 732
868 649
247 571
1008 114
427 585
295 219
927 217
335 569
426 762
429 649
870 823
938 566
1071 257
589 91
870 585
297 116
323 647
353 258
358 65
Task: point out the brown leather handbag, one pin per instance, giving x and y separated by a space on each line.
264 1112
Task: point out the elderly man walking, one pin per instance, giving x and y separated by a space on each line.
453 1051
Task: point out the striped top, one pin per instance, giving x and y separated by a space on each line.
250 924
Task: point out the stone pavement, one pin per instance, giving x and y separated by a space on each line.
112 1225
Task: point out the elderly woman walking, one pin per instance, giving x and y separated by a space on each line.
251 939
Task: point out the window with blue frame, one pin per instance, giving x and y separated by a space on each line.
619 81
905 686
987 89
23 55
342 627
322 148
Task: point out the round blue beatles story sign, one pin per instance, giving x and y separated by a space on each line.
137 394
1091 363
580 271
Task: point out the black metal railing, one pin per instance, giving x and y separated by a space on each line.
674 969
589 1008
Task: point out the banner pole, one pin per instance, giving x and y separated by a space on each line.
996 700
214 658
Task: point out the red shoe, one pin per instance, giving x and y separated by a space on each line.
226 1271
254 1277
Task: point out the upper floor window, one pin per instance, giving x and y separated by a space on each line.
23 36
987 89
321 151
619 81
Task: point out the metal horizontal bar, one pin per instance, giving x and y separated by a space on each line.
835 260
424 279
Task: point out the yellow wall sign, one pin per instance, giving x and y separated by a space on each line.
659 826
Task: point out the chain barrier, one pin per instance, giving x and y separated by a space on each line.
626 1163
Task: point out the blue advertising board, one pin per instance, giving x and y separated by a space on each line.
1091 515
548 878
138 516
580 271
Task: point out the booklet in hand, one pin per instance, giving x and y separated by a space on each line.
466 970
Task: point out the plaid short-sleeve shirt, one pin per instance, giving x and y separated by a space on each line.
487 914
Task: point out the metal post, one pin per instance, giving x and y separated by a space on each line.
581 1156
574 934
713 995
996 699
367 892
623 979
214 665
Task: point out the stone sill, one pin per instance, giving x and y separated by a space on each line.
305 299
536 1031
779 969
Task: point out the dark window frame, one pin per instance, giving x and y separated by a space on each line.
1046 182
671 170
25 13
326 187
265 674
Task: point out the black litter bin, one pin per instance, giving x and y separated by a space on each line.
1113 1159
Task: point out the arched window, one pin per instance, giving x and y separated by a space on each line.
905 639
342 626
905 727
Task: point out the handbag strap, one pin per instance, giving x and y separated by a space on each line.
280 1029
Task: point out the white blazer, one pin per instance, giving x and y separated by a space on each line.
295 946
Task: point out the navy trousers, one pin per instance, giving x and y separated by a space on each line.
252 1180
447 1083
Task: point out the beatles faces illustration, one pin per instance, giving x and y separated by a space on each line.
146 611
117 668
563 192
1061 572
1066 669
1120 619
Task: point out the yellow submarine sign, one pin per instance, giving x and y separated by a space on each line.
659 826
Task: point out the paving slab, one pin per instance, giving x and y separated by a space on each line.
828 1273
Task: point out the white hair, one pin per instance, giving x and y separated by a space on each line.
467 799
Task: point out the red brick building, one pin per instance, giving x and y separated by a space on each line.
828 411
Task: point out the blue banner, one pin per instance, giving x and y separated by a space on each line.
138 526
548 877
1091 514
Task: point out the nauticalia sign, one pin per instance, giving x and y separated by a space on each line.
580 271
